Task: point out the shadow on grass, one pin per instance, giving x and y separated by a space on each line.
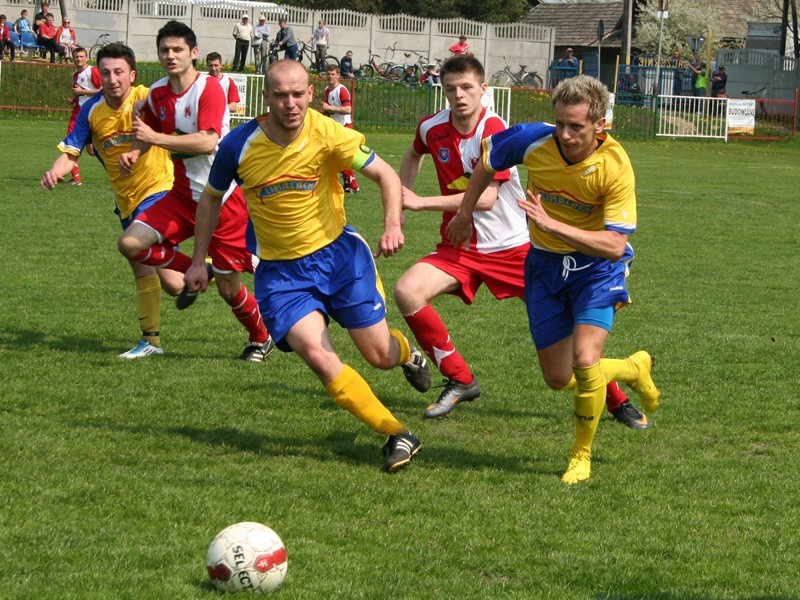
339 446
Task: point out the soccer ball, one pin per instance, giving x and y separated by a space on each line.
247 557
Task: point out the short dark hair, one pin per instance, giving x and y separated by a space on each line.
77 49
117 50
177 29
213 56
334 68
463 63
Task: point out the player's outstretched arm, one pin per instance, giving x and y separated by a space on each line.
58 171
207 217
459 229
385 176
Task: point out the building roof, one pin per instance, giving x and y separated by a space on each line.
576 22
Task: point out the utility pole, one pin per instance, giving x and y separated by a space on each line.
627 26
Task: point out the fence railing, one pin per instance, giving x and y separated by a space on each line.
395 106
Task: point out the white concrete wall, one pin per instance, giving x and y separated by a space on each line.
136 22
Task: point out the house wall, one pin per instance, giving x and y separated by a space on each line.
136 22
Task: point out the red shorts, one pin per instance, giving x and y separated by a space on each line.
173 218
503 272
73 118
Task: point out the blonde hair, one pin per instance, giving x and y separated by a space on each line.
583 89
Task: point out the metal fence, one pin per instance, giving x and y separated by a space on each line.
395 106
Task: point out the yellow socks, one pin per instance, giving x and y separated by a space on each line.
589 400
405 346
351 392
148 308
635 371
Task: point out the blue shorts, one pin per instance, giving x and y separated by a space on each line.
339 281
560 290
143 206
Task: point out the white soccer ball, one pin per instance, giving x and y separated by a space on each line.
247 557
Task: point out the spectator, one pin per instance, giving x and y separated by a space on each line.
22 25
286 40
242 33
214 65
431 76
699 78
261 33
410 76
718 82
677 73
694 67
67 40
346 66
40 17
47 38
320 40
5 39
569 61
460 47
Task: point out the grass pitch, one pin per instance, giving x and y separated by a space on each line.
115 476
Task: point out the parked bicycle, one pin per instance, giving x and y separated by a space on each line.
304 52
386 70
102 42
270 57
759 96
522 78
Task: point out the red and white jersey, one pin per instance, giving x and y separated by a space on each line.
229 88
87 79
201 107
455 156
339 96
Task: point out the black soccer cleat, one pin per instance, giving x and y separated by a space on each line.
187 297
630 416
416 371
255 352
399 449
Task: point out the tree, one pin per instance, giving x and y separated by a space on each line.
489 11
686 18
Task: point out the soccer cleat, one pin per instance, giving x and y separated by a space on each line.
627 414
644 385
76 182
399 449
454 392
187 297
578 469
416 371
142 349
255 352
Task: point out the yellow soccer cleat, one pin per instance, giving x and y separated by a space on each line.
578 469
644 385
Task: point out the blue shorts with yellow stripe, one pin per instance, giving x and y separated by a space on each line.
338 280
562 290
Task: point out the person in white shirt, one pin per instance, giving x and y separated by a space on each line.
261 33
242 32
320 39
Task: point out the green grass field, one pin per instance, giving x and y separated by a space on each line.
115 476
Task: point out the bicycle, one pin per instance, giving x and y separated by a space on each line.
758 96
387 70
304 51
102 42
522 78
268 58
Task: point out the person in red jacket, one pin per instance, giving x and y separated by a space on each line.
66 40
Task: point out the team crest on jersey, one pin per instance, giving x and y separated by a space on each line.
444 155
187 112
473 162
162 113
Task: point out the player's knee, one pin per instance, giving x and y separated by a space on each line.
556 380
380 357
129 246
407 296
